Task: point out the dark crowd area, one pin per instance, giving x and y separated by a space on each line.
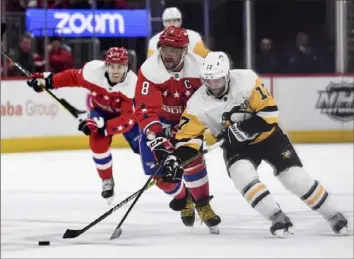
290 37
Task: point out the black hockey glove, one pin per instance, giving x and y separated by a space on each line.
172 169
96 124
40 81
161 147
234 135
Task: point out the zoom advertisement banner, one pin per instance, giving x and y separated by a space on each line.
86 23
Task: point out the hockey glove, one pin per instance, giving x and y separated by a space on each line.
161 147
172 169
96 124
39 81
234 134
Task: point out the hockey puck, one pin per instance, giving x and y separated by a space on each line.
43 243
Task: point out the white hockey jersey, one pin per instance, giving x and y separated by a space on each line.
196 44
204 111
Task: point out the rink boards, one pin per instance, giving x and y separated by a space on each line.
312 110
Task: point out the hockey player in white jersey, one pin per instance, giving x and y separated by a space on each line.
173 16
237 108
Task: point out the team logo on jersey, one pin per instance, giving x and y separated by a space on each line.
337 101
286 154
237 113
173 109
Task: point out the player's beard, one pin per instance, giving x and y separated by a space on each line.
217 92
169 63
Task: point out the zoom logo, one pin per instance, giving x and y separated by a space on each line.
78 23
87 23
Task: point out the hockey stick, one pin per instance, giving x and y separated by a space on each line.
118 231
71 109
72 233
64 103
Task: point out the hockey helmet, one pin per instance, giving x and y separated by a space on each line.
116 55
174 37
170 14
215 72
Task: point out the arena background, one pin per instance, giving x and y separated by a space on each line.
314 90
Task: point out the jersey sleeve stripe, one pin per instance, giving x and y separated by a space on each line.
272 108
193 143
268 115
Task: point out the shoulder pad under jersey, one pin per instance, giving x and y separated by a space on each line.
94 72
154 40
154 70
242 80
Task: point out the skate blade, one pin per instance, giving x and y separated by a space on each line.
282 233
109 200
214 230
343 231
291 230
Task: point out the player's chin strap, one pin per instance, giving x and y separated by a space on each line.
184 53
72 233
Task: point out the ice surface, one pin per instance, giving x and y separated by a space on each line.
43 194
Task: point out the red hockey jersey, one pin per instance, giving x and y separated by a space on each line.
160 95
116 100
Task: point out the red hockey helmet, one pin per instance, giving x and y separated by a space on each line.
117 55
174 37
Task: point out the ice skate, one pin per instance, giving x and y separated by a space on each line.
281 225
339 224
188 213
207 215
108 190
186 207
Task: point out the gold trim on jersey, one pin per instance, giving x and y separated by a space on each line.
264 106
200 49
195 143
262 136
150 52
191 131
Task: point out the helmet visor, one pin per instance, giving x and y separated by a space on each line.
215 86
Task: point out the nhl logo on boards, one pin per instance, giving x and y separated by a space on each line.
337 101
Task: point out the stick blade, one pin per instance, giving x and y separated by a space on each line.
71 233
117 232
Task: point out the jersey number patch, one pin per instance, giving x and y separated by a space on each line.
145 88
184 121
262 93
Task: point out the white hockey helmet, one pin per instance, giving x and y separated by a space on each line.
169 15
215 73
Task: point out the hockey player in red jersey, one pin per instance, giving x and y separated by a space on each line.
112 89
166 81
